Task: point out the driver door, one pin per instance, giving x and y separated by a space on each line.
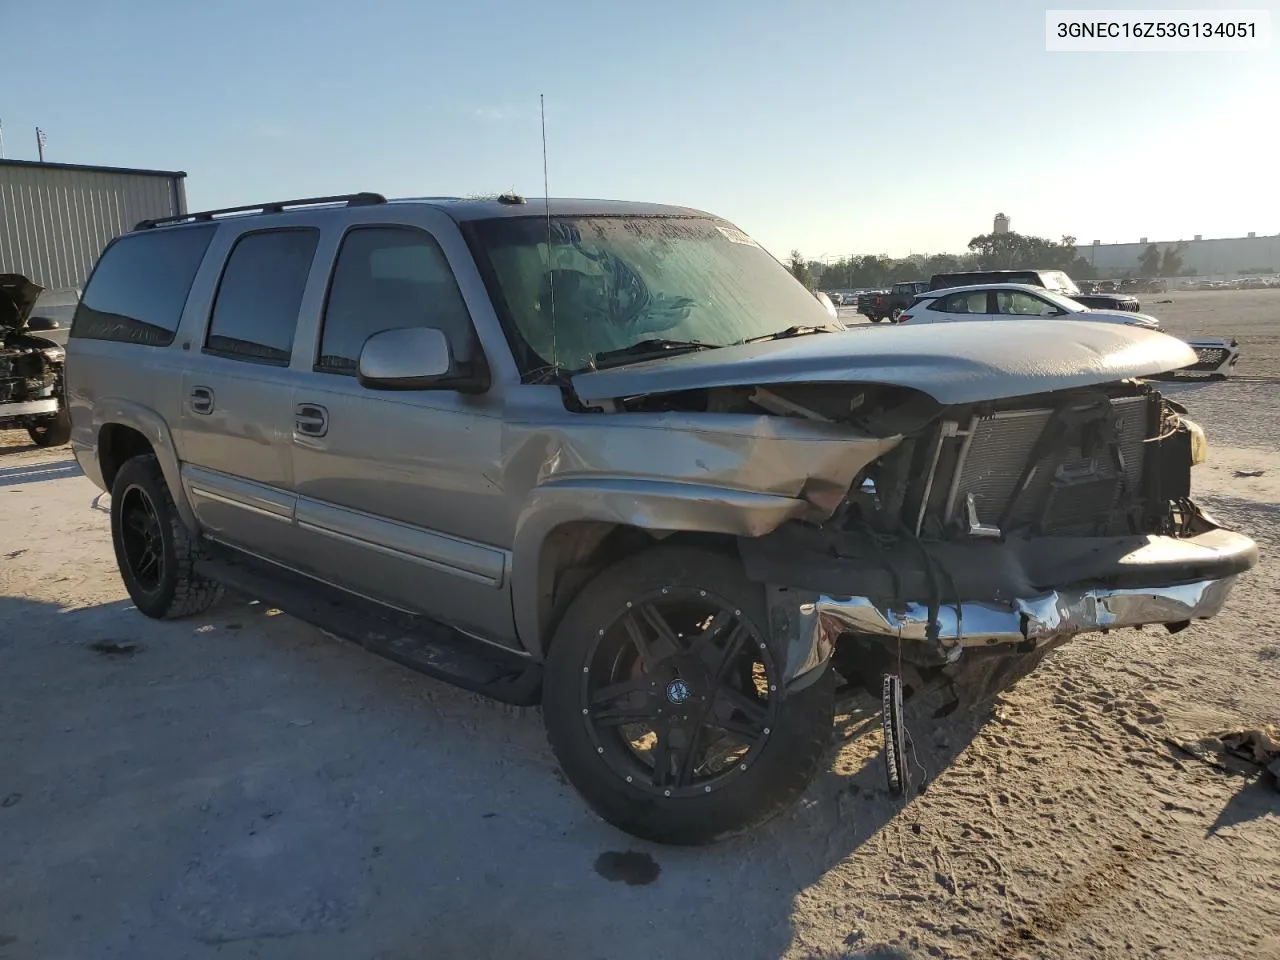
1018 304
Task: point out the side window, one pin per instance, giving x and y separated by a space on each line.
1020 304
255 310
970 302
140 286
389 277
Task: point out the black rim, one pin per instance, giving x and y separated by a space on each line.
679 692
141 539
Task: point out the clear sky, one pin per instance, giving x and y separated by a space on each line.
834 126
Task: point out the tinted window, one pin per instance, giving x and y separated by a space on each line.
256 307
384 278
140 286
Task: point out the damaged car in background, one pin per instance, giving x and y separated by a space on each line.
31 364
613 458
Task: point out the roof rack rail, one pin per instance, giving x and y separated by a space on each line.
363 199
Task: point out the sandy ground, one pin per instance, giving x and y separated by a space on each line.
243 786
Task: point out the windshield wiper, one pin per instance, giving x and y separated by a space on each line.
787 334
651 348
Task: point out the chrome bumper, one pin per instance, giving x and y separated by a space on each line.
28 408
1050 616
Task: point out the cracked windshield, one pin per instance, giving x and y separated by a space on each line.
616 283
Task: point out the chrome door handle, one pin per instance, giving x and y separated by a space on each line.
310 420
201 400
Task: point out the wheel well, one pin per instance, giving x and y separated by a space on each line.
573 553
116 444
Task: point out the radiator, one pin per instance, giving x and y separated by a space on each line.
1068 492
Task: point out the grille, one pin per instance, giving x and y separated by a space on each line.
1208 358
1068 491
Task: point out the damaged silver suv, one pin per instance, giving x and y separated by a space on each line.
612 458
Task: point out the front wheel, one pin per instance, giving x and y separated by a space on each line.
51 431
665 706
875 319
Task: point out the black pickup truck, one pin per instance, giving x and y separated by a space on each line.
878 305
1054 280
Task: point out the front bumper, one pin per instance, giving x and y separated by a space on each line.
1050 616
1001 596
1214 355
28 408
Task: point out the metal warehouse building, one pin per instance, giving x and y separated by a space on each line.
55 218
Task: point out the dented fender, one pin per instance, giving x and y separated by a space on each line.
738 475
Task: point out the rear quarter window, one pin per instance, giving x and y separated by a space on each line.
140 285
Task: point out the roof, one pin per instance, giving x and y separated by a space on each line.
975 287
92 168
489 208
456 208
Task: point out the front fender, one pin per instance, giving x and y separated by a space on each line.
128 413
659 506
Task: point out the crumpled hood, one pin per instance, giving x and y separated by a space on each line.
951 362
17 297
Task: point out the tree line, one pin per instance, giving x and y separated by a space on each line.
989 251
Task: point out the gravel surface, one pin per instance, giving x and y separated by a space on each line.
243 786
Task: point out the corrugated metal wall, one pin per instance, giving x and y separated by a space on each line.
55 220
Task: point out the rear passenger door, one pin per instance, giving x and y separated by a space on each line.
965 305
397 491
236 395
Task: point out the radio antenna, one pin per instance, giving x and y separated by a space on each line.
546 206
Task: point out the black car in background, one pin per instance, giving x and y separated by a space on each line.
1054 280
890 304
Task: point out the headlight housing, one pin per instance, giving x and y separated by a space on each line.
1199 442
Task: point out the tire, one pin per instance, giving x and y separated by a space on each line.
897 312
53 431
602 762
166 586
875 319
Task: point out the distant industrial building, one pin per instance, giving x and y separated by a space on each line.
55 218
1001 224
1225 258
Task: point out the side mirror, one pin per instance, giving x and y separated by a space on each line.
43 323
413 358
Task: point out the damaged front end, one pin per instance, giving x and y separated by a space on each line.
1005 527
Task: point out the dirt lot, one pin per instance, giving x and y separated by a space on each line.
244 786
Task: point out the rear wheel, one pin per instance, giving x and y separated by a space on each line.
897 312
665 706
154 550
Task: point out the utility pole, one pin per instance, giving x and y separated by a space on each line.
1 139
40 139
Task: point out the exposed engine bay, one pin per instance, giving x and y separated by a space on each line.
30 367
1004 526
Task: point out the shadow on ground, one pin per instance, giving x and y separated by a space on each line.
241 785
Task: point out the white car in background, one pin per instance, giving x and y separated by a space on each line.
1014 301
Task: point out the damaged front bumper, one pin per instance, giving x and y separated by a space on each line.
1159 580
1053 615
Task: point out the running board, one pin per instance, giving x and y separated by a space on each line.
413 641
